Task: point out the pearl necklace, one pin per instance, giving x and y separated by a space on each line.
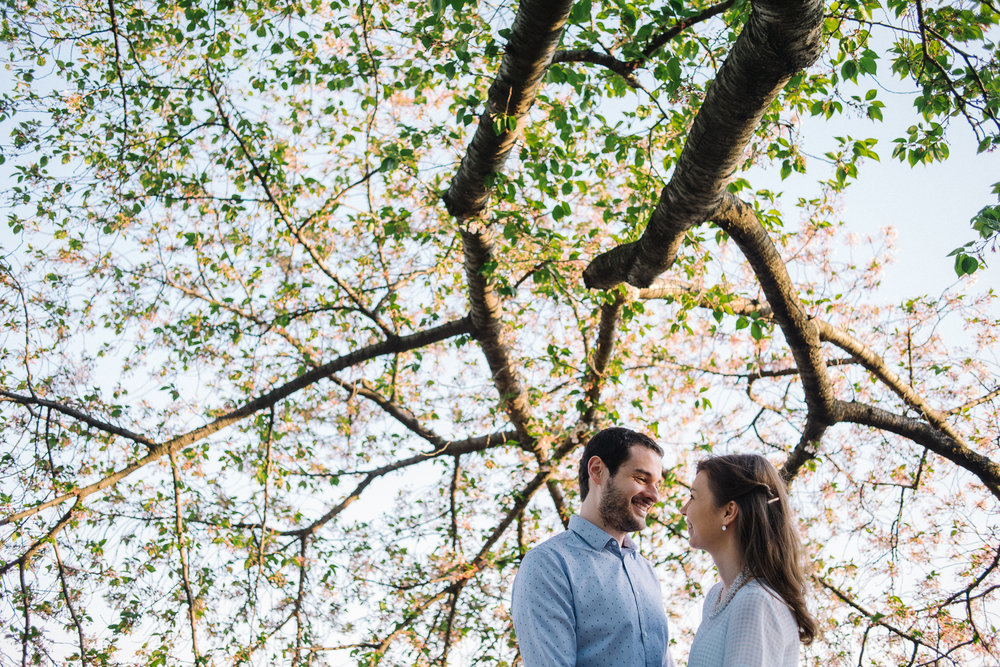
741 580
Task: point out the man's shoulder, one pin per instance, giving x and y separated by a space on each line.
563 551
555 546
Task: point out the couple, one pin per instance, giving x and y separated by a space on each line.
587 598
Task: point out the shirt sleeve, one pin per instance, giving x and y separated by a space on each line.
542 608
755 634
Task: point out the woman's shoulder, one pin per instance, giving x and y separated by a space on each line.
757 596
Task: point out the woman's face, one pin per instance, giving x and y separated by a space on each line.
704 519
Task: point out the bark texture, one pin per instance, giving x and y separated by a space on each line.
536 32
779 39
485 314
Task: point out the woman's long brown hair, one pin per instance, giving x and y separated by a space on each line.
765 527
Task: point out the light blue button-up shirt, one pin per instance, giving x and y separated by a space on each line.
579 599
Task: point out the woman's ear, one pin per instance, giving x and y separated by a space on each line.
730 511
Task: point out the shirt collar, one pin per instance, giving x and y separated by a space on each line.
594 536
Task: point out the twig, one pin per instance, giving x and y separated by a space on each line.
64 586
118 70
182 552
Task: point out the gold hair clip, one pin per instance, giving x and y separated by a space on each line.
774 500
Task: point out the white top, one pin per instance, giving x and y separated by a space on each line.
756 629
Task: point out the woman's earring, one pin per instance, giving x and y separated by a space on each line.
723 527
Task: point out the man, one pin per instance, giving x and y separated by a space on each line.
586 597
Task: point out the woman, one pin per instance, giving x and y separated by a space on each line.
756 616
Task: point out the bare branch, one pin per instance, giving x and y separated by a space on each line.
64 587
79 416
183 554
878 367
924 434
310 377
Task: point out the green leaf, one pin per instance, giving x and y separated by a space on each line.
849 70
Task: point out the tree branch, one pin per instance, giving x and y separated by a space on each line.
451 449
974 402
485 312
778 40
626 70
536 31
933 439
397 412
739 221
310 377
26 598
26 557
299 598
874 619
183 555
877 366
296 230
657 42
521 500
118 71
64 587
669 288
607 333
78 415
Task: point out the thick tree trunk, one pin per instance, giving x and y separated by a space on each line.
536 32
780 38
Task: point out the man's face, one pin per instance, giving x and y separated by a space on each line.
632 491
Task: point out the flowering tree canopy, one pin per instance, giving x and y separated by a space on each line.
308 307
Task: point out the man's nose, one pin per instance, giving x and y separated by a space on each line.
654 491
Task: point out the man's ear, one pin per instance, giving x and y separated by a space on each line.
596 470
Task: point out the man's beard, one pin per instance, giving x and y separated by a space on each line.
615 509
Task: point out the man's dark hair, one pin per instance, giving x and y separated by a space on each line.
612 445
